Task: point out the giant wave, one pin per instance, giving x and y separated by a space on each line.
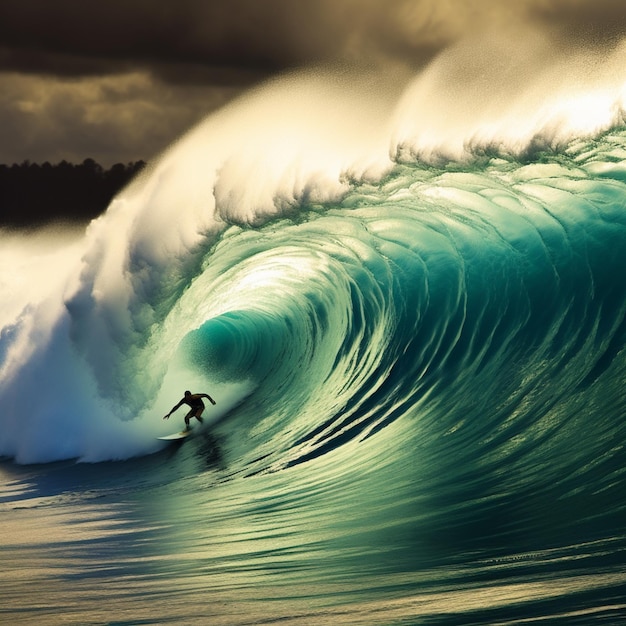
475 257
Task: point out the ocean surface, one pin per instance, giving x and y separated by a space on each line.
409 304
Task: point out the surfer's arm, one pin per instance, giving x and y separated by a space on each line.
165 417
206 395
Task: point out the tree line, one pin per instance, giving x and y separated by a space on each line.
34 195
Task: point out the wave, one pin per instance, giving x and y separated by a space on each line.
342 273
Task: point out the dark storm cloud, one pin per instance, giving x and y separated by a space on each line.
72 38
238 41
219 40
76 36
194 40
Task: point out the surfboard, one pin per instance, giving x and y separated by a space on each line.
176 436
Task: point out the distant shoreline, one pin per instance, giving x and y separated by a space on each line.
33 195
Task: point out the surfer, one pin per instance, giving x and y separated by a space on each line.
194 400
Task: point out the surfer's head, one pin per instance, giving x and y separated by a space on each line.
187 393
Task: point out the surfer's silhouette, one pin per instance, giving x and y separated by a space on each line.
194 400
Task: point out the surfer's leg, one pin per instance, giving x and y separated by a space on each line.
187 418
199 415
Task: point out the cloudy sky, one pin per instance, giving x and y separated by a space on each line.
120 80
